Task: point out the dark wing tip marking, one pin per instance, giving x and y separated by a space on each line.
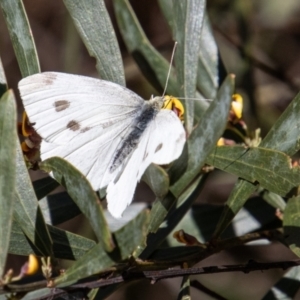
49 79
73 125
61 105
158 147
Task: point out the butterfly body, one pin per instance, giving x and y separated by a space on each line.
105 130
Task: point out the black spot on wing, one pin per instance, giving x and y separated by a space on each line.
158 147
73 125
61 105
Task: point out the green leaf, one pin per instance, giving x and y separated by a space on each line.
66 245
271 169
237 198
208 70
205 136
21 36
291 224
185 293
8 138
207 76
58 208
27 211
82 193
274 200
159 212
153 65
157 179
201 220
188 15
3 82
44 186
95 28
284 136
128 238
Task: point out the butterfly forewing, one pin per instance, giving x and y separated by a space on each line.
105 130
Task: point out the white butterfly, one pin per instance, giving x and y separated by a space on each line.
108 132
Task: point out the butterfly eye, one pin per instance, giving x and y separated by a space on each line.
175 105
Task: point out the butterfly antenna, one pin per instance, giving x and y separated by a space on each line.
170 68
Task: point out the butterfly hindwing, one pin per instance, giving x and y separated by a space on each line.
162 142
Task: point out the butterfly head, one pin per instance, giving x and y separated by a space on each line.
175 105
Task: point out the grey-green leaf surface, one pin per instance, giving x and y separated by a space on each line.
66 245
58 208
21 36
206 134
95 28
82 193
284 136
274 200
201 220
27 212
159 213
188 20
185 293
291 224
270 168
208 71
44 186
157 179
207 76
9 139
240 193
128 238
153 65
3 83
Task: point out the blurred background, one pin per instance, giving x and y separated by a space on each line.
259 41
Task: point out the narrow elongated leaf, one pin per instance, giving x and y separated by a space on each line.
274 200
153 65
58 208
188 15
183 204
82 193
271 169
284 136
27 212
207 76
95 28
44 186
184 293
21 36
66 245
8 138
157 179
205 136
208 69
128 238
291 224
238 197
3 83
